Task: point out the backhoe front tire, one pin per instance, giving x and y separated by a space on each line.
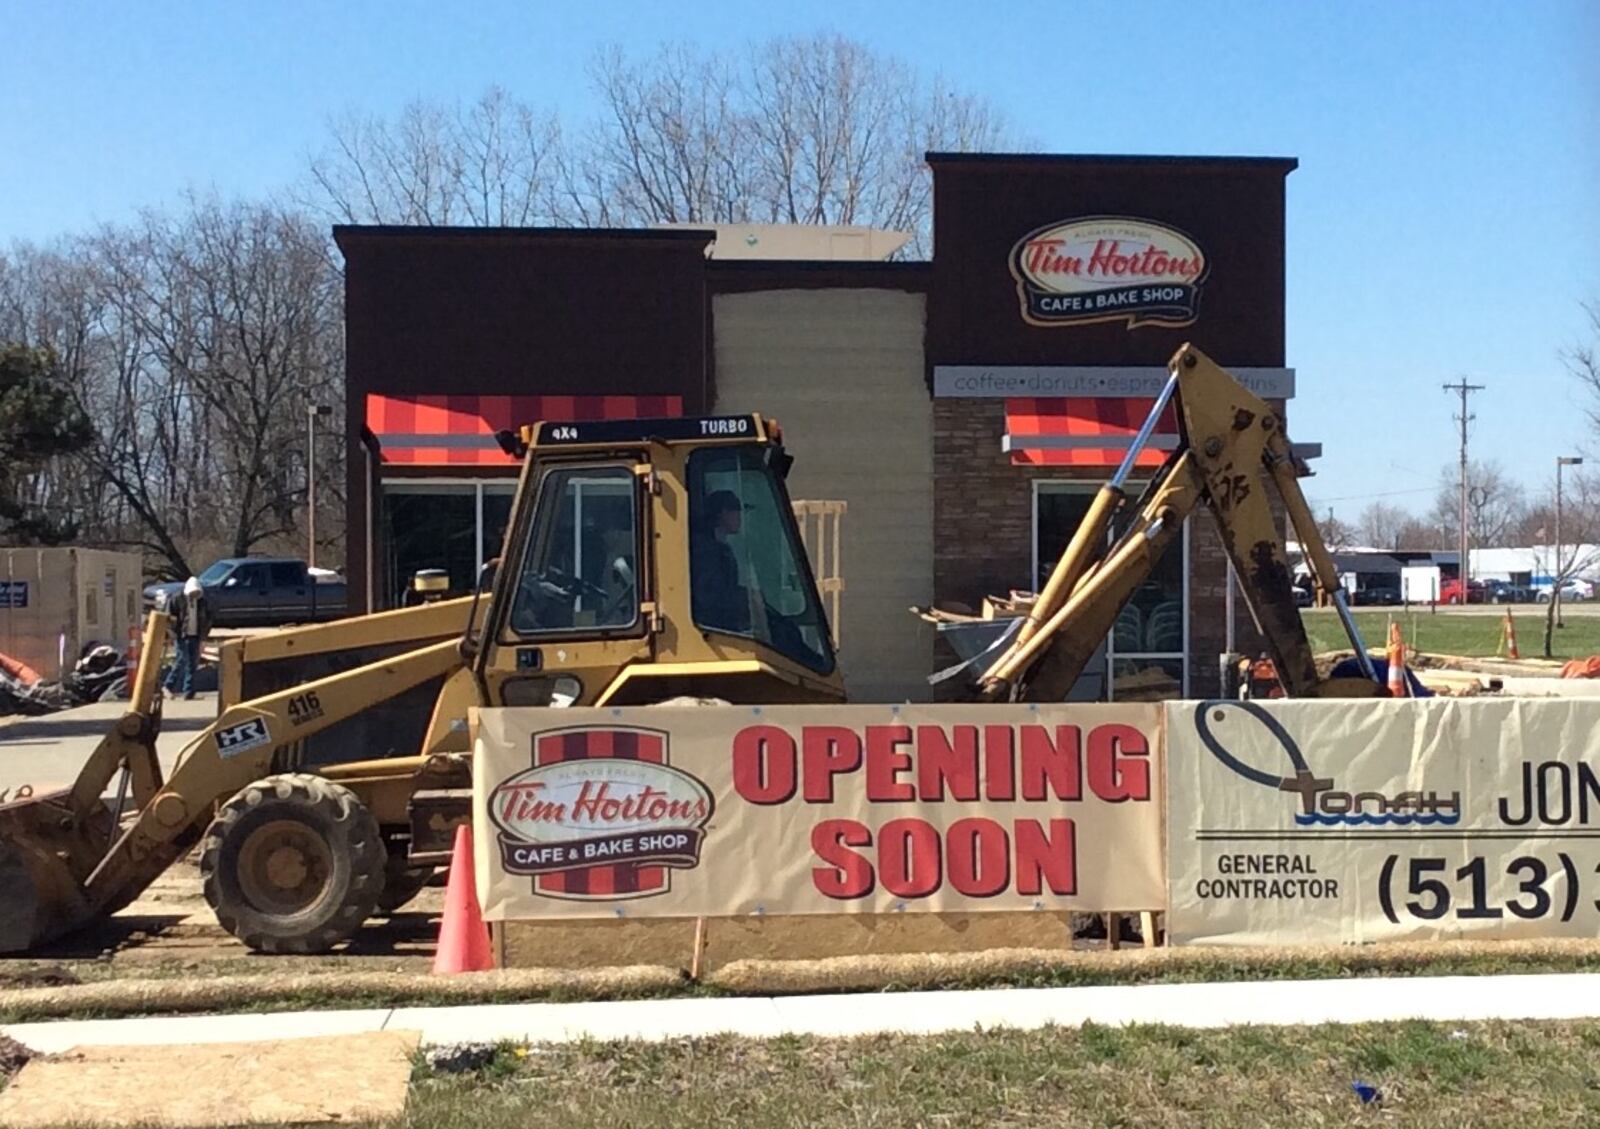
293 864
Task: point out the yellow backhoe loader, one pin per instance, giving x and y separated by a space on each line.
644 561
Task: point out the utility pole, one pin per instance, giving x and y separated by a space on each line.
1464 390
1560 571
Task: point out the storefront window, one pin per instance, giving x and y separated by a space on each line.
1144 655
497 501
454 526
430 525
747 576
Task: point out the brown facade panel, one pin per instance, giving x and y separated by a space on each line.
488 311
1233 210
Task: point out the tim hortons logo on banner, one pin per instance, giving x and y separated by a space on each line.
1320 801
601 815
1108 268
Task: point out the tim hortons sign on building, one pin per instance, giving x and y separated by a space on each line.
1108 268
812 809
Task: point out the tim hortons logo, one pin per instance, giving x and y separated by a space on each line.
601 815
1108 268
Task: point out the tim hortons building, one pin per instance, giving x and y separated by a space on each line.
965 407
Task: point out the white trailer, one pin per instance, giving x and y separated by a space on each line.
1419 584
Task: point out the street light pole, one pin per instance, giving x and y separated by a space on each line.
313 410
1555 580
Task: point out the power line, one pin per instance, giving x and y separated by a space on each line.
1383 494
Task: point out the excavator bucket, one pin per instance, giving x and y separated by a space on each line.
43 848
51 844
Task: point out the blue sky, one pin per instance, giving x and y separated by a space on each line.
1445 219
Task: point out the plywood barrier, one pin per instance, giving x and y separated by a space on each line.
598 944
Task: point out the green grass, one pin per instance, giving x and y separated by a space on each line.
1443 1075
1457 633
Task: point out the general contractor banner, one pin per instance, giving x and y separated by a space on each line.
730 810
1350 821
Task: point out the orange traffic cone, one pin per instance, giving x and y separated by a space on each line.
1511 637
463 937
1397 663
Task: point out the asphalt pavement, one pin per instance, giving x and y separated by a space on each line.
47 752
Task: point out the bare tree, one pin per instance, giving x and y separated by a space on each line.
1380 525
193 341
491 163
673 145
1495 504
1583 362
818 130
1417 533
1580 501
1577 552
1337 535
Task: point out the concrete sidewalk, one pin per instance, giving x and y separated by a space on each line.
1366 1000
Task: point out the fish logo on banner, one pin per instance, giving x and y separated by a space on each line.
1220 724
600 815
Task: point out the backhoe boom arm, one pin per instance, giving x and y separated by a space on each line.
1232 444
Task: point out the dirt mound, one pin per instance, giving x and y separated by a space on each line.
39 976
13 1056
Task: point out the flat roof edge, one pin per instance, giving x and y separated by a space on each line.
357 233
935 158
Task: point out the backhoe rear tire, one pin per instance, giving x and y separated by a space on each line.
293 864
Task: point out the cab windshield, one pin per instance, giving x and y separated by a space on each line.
580 569
749 575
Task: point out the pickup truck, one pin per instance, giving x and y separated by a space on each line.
262 592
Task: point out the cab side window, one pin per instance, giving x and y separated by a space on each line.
748 572
580 570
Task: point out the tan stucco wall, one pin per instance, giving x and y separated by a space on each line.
842 371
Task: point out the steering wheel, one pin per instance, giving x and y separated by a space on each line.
555 581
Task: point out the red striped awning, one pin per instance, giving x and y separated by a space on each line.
1062 431
460 430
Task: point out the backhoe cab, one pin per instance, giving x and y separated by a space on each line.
656 559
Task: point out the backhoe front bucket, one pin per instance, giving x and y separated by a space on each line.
46 854
50 845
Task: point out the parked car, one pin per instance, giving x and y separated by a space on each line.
1375 597
263 592
1572 591
1302 596
1504 592
1450 592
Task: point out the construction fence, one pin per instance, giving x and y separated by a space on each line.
817 831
